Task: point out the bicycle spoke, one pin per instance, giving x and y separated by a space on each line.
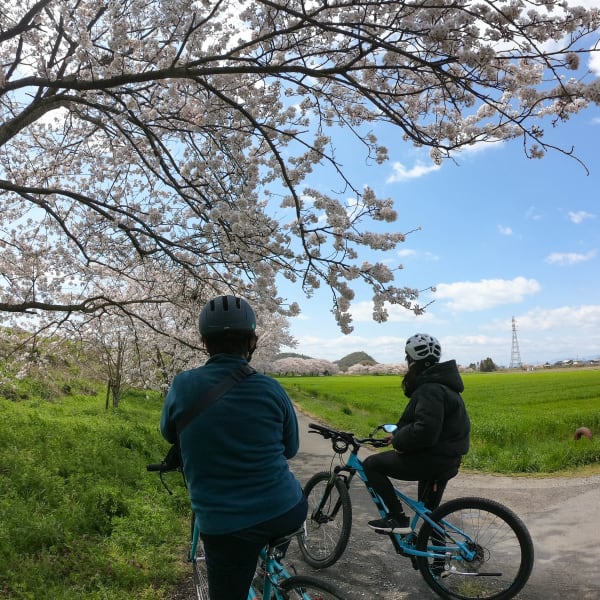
497 557
328 522
200 578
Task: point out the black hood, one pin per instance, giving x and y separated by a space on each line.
445 373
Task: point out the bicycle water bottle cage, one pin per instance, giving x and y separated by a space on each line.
340 446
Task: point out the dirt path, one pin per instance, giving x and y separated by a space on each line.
562 514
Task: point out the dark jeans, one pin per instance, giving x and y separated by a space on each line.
409 467
231 558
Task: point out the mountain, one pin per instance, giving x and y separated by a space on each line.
350 359
355 358
292 355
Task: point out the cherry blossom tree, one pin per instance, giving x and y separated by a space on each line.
147 350
180 137
296 365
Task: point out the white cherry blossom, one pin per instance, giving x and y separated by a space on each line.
144 137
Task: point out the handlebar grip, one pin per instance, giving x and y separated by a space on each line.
155 467
324 431
379 443
317 427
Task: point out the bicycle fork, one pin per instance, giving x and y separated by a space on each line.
323 513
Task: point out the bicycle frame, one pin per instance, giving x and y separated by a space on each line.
274 571
466 547
276 580
404 544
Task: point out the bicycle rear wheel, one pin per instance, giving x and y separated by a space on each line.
304 587
329 520
502 545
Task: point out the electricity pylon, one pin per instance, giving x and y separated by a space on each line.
515 355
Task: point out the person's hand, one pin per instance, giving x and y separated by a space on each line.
388 439
582 432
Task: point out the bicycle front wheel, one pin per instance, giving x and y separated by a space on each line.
304 587
328 522
200 577
498 557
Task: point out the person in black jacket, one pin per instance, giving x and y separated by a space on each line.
432 434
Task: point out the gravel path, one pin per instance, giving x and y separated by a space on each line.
562 515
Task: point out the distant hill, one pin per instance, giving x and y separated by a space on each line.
355 358
292 355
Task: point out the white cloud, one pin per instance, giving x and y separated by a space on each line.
487 293
569 258
362 312
478 147
576 318
406 252
579 216
505 230
401 173
594 63
384 349
533 214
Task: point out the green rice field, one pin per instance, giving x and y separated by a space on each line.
522 422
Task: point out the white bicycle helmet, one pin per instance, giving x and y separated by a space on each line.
422 346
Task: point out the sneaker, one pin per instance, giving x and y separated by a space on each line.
397 524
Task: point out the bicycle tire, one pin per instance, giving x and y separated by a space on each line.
199 574
327 530
305 587
503 544
200 578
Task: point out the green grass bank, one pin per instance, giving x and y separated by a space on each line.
80 517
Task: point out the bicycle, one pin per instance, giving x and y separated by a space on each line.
466 548
272 580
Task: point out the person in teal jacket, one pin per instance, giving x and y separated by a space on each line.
235 452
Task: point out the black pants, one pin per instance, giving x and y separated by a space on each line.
409 467
231 558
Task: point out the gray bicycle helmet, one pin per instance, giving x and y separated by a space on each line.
422 346
226 314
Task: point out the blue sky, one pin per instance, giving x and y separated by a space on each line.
501 236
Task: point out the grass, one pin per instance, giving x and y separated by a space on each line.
79 515
522 422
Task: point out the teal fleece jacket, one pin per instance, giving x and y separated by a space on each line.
235 453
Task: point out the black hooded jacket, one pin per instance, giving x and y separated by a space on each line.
435 421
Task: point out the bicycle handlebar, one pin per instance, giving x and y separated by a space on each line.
160 467
342 439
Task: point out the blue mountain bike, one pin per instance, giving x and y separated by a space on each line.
272 580
466 548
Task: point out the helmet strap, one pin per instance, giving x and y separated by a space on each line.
252 342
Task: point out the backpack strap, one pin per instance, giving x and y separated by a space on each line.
212 395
